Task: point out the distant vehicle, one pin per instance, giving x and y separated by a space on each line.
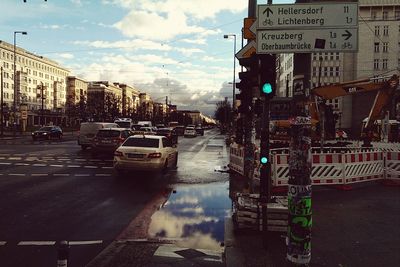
179 130
199 130
109 139
136 127
145 153
124 122
191 125
88 131
145 130
47 132
145 123
190 132
173 124
169 133
160 125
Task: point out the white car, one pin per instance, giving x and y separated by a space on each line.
190 132
145 153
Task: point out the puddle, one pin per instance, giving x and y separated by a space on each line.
193 216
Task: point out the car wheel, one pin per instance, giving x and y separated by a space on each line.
165 168
176 161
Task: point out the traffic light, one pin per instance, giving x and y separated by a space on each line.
267 74
263 160
248 80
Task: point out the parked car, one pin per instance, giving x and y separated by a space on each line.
190 132
145 153
199 130
180 130
47 132
169 133
88 131
109 139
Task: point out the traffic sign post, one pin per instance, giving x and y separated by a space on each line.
307 41
316 15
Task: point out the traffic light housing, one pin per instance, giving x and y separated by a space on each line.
248 80
267 75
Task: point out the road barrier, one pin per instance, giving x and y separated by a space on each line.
353 165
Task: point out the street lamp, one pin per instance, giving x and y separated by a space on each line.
226 36
15 78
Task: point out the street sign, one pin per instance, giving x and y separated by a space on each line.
24 114
307 40
247 33
317 15
247 50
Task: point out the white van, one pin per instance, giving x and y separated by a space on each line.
124 122
88 131
145 123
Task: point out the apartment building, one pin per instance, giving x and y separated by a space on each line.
146 109
76 102
130 99
33 71
104 101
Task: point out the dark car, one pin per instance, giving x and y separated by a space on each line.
109 139
199 130
179 130
48 132
169 133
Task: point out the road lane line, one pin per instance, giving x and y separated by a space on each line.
2 243
16 174
89 242
80 159
5 163
37 243
55 165
39 165
2 157
40 174
103 174
106 167
61 174
81 174
14 158
90 167
22 164
73 166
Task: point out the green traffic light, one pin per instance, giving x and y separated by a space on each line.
264 160
267 88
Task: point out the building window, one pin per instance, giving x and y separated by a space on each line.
331 71
314 71
397 14
376 47
337 56
376 30
376 64
337 71
384 64
385 15
325 71
385 47
386 30
331 56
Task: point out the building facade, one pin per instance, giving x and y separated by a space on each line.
76 102
104 101
32 72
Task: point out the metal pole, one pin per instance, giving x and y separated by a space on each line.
42 96
234 72
322 109
1 102
15 90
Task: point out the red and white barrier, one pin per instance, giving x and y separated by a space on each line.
236 158
392 166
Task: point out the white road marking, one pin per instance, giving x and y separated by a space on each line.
14 158
2 243
81 174
60 166
16 174
22 164
61 174
73 166
91 167
106 167
103 174
37 243
5 163
40 174
2 157
39 165
80 159
97 160
89 242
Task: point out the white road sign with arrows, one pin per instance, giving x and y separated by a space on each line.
317 15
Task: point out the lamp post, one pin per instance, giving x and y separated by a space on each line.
15 80
226 36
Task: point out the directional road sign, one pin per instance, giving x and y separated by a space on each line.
247 50
307 40
317 15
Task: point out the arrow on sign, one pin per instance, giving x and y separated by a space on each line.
347 35
247 50
268 11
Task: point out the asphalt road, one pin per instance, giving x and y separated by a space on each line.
55 191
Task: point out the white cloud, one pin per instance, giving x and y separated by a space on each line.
65 55
135 44
52 26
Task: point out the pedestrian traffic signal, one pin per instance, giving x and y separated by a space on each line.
267 74
264 160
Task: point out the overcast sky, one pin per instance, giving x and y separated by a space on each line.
171 48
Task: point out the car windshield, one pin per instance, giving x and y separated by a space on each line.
189 128
141 142
123 124
108 133
45 129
